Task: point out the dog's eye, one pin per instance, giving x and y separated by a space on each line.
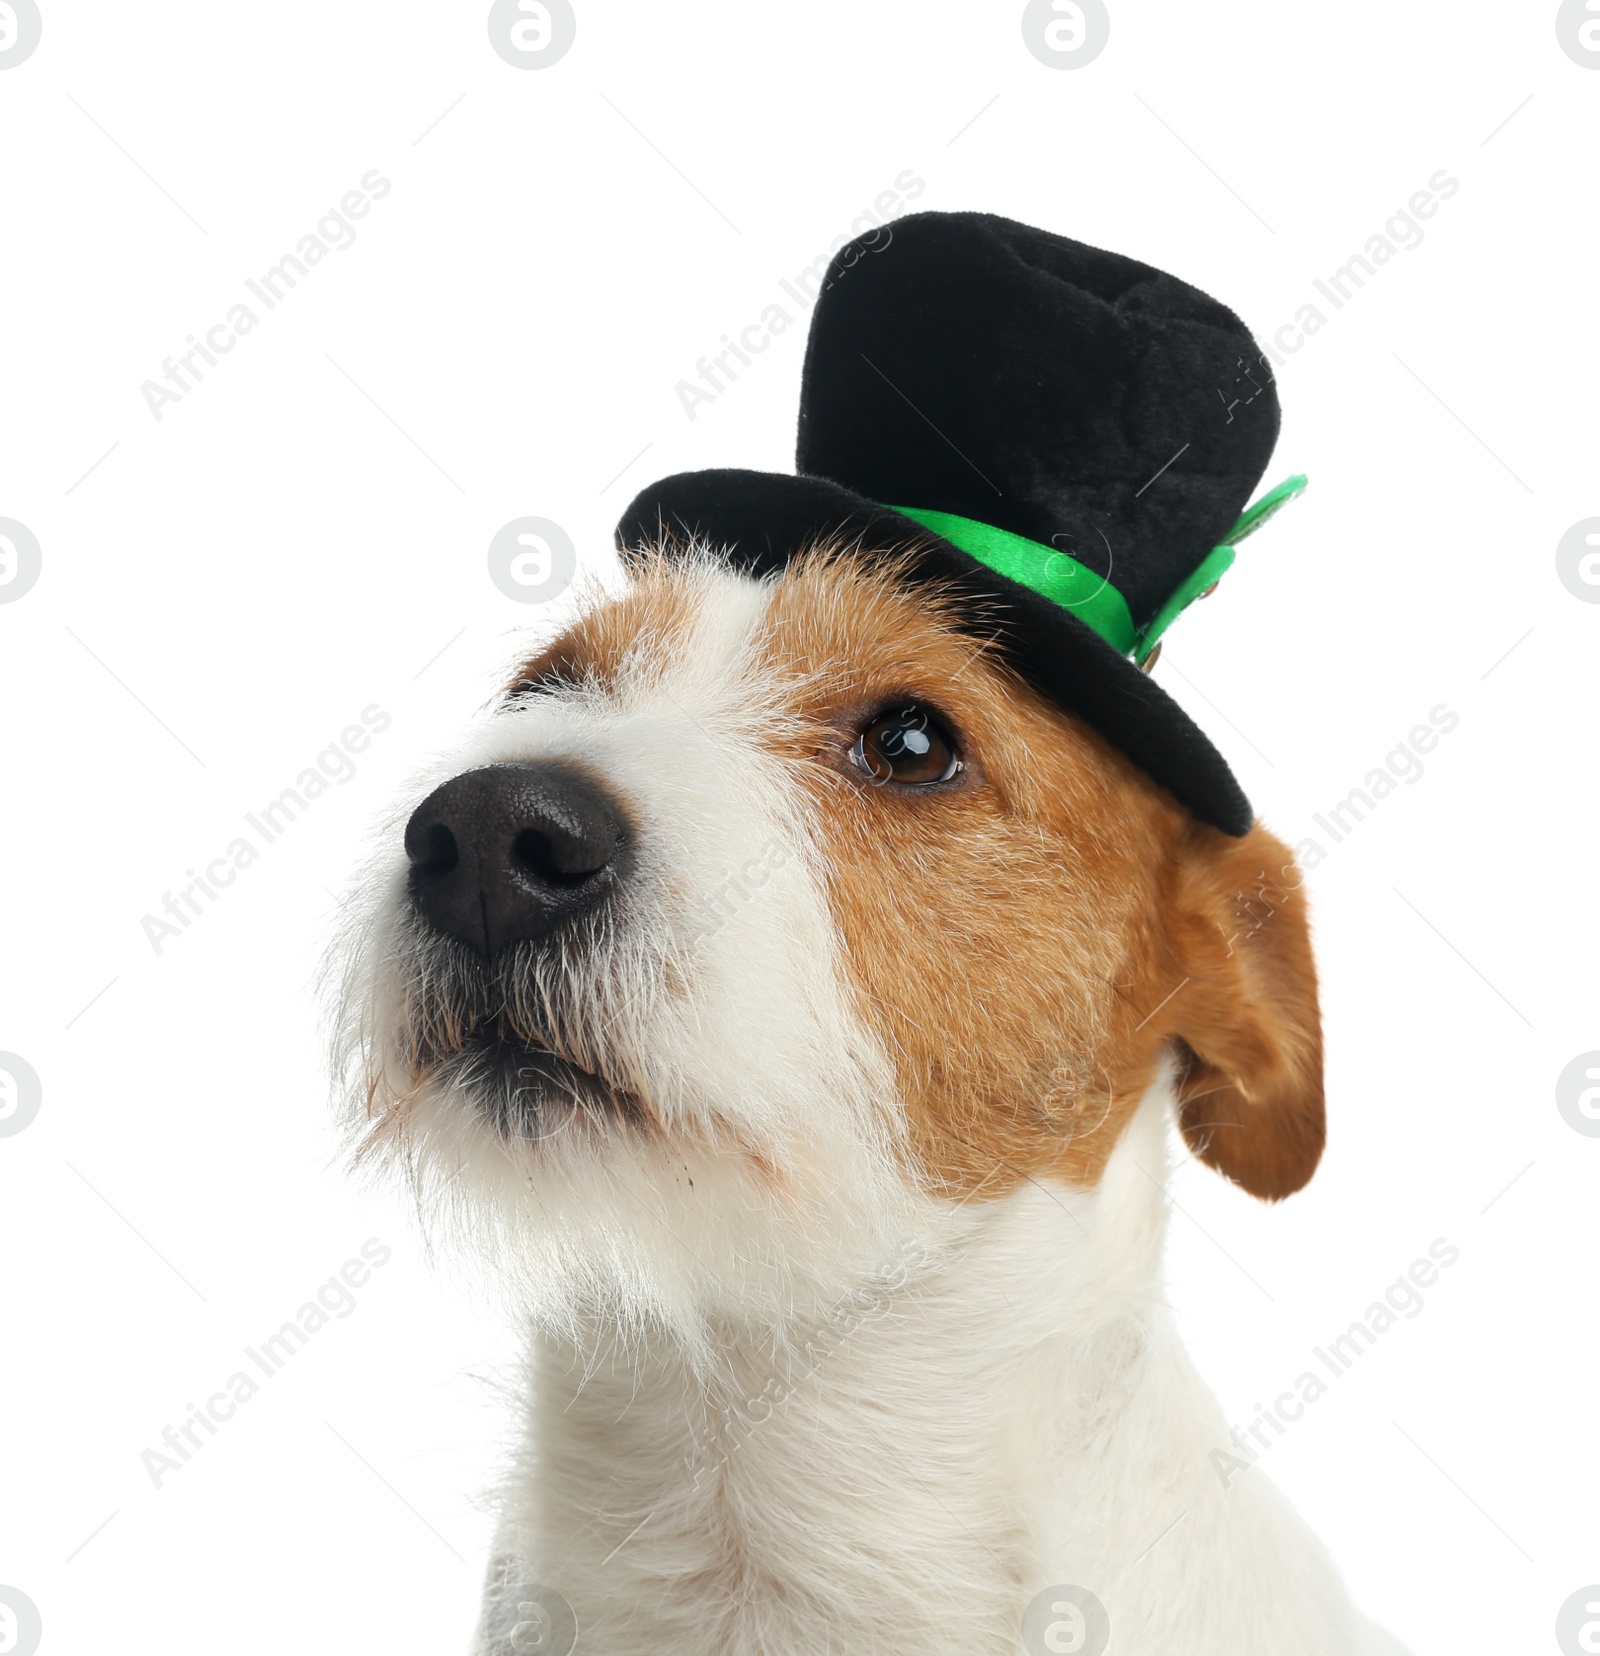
910 745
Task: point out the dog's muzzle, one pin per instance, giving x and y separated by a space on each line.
512 853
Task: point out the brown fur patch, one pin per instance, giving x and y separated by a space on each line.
639 632
1028 940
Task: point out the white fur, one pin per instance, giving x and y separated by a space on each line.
823 1412
1011 1410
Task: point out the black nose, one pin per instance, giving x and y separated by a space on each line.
508 853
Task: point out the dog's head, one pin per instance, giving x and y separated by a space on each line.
757 917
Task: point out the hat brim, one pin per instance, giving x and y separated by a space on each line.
759 521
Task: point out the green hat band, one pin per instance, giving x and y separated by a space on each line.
1063 580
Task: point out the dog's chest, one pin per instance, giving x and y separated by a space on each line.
813 1499
905 1476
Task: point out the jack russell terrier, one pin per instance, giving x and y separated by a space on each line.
792 983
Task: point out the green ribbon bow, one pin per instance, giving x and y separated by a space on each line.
1063 580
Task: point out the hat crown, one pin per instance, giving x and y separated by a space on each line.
967 364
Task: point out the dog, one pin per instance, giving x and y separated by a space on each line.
793 986
794 1003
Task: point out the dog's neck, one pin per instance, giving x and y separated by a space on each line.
1004 1408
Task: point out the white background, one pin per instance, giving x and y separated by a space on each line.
305 535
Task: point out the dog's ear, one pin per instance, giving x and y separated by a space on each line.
1250 1101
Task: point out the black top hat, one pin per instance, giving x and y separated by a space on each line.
1067 434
